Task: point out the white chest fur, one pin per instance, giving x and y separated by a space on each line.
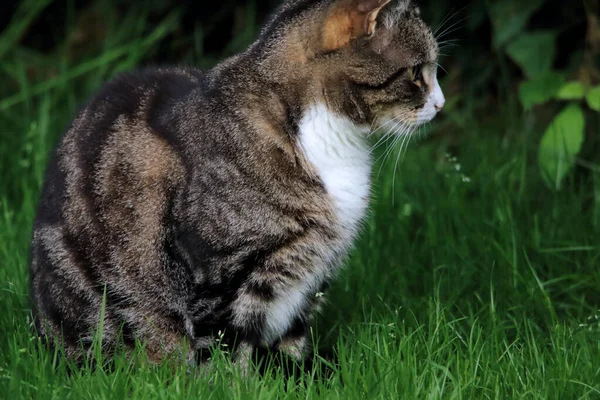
337 149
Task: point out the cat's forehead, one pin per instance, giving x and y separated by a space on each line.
405 37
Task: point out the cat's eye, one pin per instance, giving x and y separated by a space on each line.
416 74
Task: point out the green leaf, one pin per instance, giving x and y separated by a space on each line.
593 98
560 144
534 52
540 89
571 91
510 17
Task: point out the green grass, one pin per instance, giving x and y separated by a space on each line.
471 279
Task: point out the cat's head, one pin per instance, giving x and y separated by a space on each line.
372 60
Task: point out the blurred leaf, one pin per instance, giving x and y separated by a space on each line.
510 17
560 144
593 98
534 52
571 91
540 89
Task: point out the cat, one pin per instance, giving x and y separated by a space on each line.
200 208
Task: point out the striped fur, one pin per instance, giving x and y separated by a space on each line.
215 207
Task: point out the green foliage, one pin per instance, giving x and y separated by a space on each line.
564 138
561 143
593 98
510 17
573 90
540 89
534 52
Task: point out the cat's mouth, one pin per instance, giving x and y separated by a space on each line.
401 119
434 104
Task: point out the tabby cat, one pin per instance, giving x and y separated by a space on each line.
201 207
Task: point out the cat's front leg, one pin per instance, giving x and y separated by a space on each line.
294 346
272 311
296 342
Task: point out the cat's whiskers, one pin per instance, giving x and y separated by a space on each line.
386 153
400 156
444 44
386 135
446 47
429 125
382 125
452 28
380 142
442 68
397 119
447 19
389 133
446 27
371 130
398 134
375 121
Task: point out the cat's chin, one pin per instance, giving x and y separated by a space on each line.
420 122
427 114
398 125
425 117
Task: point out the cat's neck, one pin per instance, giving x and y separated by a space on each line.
337 148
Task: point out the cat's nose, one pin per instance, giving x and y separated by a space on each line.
438 97
439 105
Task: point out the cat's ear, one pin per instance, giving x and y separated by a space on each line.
350 19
